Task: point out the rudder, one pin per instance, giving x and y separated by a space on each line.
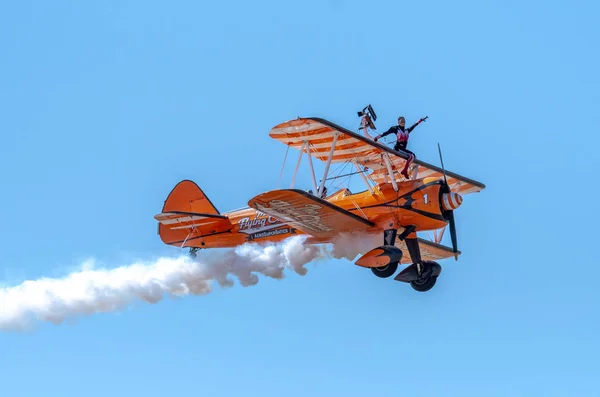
187 196
188 214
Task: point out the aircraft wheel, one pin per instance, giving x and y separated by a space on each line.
385 271
424 284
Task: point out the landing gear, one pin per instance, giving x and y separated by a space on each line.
193 251
384 260
421 276
388 270
385 271
424 284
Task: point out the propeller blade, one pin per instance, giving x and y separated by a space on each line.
450 213
453 234
442 162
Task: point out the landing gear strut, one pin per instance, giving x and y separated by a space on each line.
389 239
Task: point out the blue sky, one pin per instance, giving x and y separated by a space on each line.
107 105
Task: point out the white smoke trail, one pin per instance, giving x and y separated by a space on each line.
106 290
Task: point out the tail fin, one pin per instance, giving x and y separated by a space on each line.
188 215
188 197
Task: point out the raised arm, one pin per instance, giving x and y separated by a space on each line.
409 130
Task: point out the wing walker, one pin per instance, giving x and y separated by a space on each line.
393 206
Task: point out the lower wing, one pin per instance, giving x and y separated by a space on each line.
429 251
308 213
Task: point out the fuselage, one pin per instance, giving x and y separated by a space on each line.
417 202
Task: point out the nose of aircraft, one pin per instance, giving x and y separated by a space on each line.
451 201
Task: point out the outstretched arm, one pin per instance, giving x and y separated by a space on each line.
409 130
388 132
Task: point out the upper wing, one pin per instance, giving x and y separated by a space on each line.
308 213
351 146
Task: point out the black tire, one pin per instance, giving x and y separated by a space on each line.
424 284
385 271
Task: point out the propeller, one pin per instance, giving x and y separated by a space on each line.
450 201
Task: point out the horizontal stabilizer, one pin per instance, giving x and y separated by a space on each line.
189 220
308 213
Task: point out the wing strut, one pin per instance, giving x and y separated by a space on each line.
362 175
297 166
283 165
386 158
310 163
335 137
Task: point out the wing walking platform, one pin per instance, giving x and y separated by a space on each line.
332 143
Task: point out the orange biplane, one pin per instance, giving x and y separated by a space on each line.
391 206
